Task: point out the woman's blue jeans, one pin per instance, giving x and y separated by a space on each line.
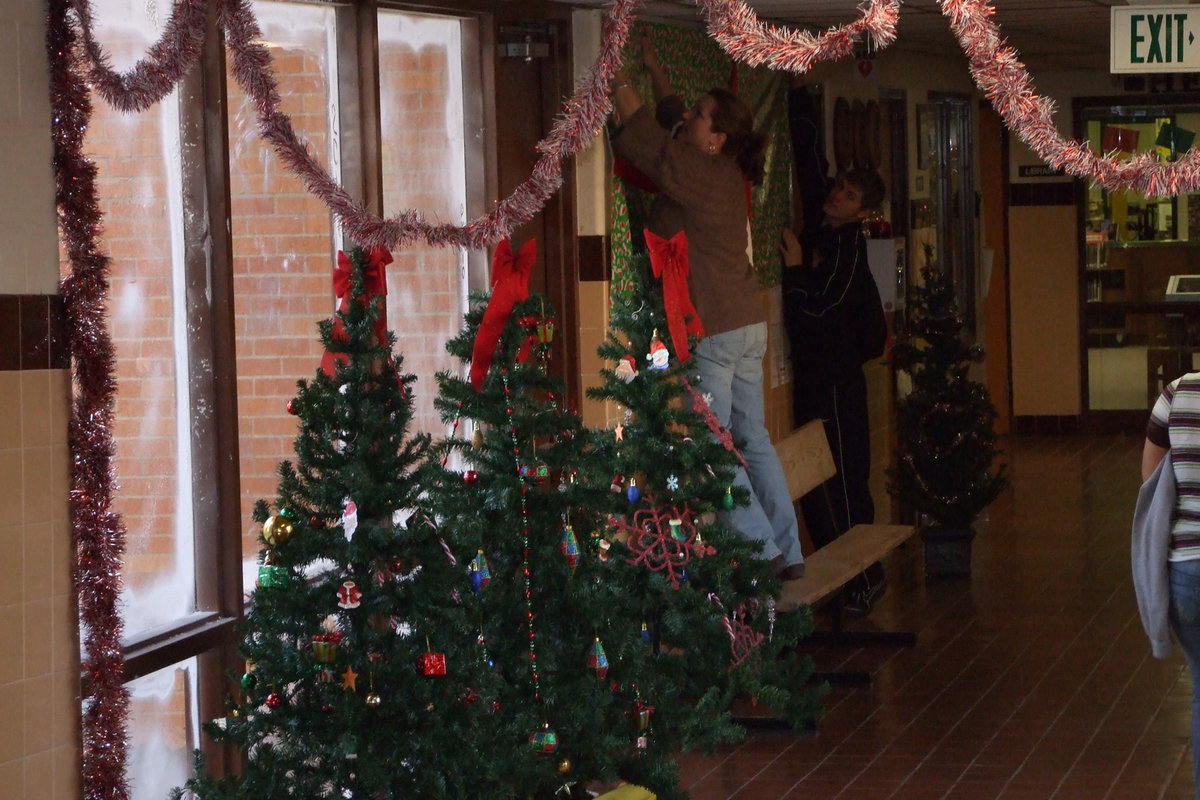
1185 623
729 368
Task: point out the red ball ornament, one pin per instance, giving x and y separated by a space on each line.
273 700
291 407
471 476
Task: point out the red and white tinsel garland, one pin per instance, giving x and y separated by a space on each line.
582 117
735 27
997 70
99 531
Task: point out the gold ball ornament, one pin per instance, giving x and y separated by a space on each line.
564 766
277 530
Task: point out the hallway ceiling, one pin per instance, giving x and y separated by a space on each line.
1049 34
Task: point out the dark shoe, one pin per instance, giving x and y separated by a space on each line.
862 595
792 572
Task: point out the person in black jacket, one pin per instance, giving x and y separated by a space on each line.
835 324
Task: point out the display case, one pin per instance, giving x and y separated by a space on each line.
1135 338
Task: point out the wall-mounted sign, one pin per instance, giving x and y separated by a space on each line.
1154 39
1038 171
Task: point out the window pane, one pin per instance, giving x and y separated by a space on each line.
424 167
138 161
283 244
163 730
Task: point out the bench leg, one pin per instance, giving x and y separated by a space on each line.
839 636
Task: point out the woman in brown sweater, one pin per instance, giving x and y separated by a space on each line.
700 161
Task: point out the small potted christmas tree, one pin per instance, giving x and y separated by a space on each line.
945 438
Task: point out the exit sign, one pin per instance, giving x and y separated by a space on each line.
1155 39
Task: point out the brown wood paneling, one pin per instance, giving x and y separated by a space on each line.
528 95
594 264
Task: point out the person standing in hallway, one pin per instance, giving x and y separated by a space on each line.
835 324
700 161
1173 432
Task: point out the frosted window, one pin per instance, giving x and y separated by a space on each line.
139 176
422 90
163 729
283 247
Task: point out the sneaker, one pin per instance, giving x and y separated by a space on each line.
862 596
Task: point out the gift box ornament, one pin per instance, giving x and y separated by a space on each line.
272 577
432 665
325 647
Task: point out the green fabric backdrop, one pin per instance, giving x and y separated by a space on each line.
695 64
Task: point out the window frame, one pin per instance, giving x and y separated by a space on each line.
210 634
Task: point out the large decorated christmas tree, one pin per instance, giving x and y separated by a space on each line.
358 652
606 654
705 592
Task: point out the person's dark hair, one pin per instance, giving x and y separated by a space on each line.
747 146
868 182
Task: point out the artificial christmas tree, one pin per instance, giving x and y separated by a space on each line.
606 655
360 661
572 682
946 442
708 596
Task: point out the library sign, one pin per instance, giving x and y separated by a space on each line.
1155 39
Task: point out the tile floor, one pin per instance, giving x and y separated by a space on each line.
1030 680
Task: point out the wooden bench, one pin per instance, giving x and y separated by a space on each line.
808 463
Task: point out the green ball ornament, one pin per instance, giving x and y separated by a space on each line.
249 681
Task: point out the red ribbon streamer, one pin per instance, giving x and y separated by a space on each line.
374 285
669 260
510 285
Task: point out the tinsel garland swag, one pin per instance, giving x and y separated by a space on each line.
99 532
997 70
732 24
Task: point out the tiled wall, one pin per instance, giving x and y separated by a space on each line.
39 666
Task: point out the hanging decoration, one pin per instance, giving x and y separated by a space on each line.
99 531
510 285
714 424
582 117
743 639
997 70
664 540
735 27
669 261
375 288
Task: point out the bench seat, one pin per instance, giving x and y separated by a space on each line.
832 566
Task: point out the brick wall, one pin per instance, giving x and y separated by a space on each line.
283 263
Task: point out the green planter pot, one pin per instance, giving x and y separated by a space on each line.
947 551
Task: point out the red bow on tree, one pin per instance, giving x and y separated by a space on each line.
510 285
374 285
669 260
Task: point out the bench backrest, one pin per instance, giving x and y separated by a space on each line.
807 461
